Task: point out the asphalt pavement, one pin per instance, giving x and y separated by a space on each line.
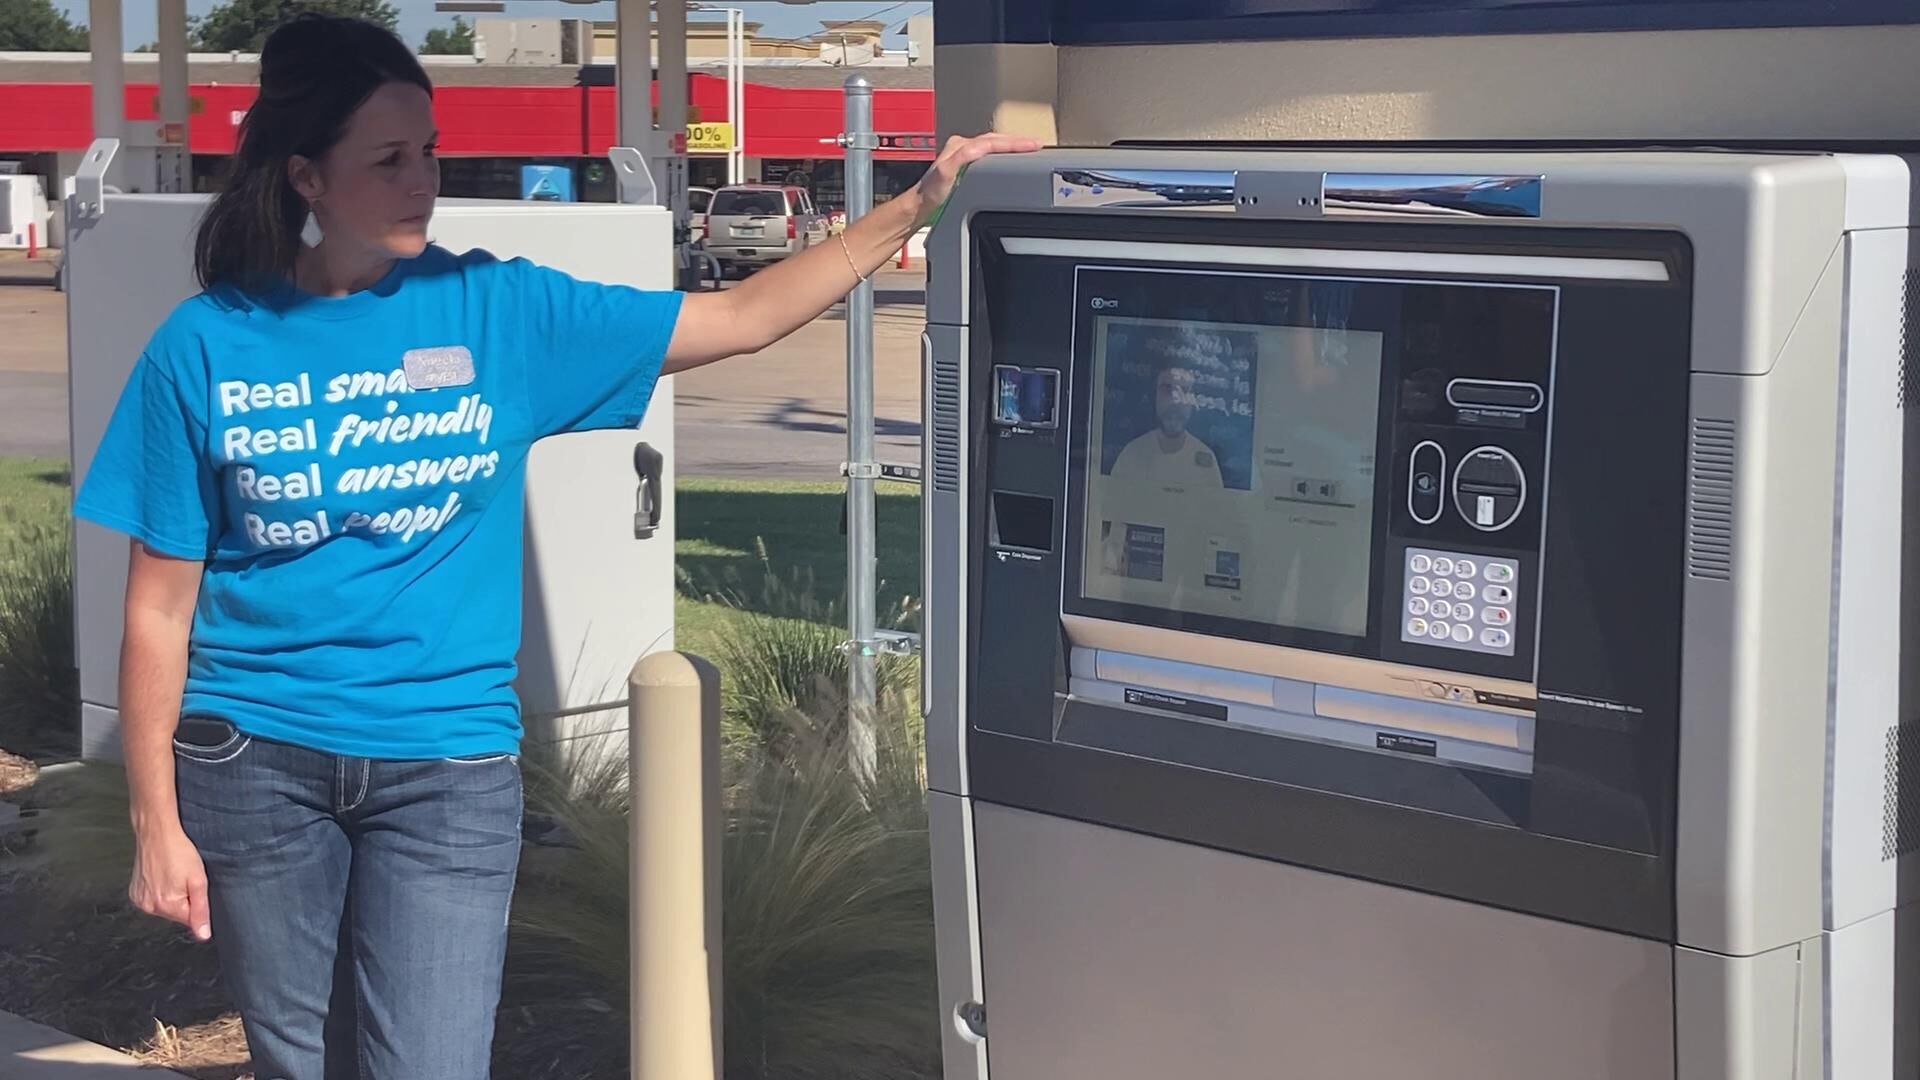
33 359
778 414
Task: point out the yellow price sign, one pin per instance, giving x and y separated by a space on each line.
710 137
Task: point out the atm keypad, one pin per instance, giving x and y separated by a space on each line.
1458 601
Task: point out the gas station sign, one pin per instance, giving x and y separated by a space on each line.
715 137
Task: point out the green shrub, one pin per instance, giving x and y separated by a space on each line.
777 668
829 914
782 654
39 684
828 941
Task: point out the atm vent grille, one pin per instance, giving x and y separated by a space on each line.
946 421
1910 338
1710 500
1903 792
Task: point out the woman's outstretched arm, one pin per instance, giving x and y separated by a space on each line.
781 299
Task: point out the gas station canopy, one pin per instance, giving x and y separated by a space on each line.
665 149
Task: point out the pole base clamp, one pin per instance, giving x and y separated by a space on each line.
884 643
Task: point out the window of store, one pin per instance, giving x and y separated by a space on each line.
481 178
706 172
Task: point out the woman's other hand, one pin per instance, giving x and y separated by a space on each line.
169 880
936 186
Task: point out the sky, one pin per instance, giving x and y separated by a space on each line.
418 16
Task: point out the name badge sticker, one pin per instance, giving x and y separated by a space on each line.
442 366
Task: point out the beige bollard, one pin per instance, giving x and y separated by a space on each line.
674 867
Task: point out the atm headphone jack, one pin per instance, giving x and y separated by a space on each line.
972 1019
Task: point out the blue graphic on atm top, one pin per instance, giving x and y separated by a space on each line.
546 183
1179 394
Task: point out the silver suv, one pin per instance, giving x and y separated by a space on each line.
755 225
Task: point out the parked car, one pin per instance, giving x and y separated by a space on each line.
755 225
698 200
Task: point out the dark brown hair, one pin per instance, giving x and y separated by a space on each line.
315 72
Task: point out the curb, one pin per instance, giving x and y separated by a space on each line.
30 1051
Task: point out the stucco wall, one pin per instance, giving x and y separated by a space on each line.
1820 83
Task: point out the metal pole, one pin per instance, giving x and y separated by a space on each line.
109 77
673 833
176 157
740 104
736 49
861 468
633 75
672 16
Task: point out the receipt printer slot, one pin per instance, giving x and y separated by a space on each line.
1488 394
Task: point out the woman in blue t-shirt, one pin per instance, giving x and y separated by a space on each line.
320 459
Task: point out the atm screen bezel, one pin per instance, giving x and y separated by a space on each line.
1078 514
1596 843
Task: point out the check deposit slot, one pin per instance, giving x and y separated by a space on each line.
1388 610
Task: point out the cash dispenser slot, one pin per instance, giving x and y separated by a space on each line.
1022 522
1452 734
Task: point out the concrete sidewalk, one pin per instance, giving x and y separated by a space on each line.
17 269
30 1051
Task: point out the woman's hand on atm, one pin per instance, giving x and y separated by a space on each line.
794 291
936 186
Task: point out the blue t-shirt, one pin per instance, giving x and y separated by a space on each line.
352 472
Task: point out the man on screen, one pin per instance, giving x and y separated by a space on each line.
1170 454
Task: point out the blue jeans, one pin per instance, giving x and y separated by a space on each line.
360 907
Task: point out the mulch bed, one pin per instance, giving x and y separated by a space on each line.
111 975
16 774
104 972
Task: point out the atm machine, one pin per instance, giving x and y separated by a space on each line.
1439 614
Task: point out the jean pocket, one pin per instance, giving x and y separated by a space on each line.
209 741
483 759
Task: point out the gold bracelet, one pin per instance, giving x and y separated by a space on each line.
851 265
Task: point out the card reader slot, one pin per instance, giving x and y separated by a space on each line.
1220 684
1481 794
1305 727
1425 718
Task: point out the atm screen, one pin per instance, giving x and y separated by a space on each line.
1230 468
1259 455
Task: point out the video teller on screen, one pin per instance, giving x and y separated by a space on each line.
1169 454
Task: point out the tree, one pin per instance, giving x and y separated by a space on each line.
38 26
455 42
243 25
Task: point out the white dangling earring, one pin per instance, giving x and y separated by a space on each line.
310 233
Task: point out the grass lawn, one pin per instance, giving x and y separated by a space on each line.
723 527
32 491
